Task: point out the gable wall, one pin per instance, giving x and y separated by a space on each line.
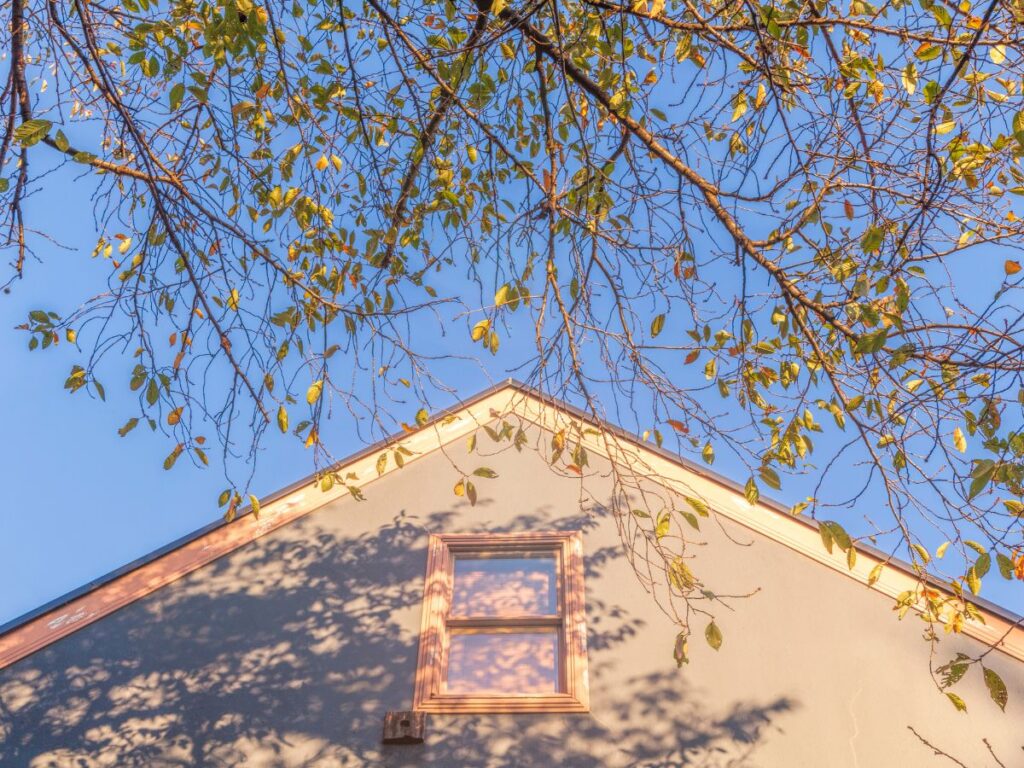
289 651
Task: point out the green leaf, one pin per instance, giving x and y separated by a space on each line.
713 635
152 392
872 342
177 94
32 132
487 472
1005 566
872 239
981 475
996 688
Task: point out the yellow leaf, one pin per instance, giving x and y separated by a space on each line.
460 488
997 53
1011 267
945 127
741 106
657 7
942 549
233 300
959 441
321 164
762 94
336 162
125 245
313 393
875 575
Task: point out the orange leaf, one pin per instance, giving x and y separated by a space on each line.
1012 267
678 426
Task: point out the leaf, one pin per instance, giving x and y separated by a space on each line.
959 441
664 525
997 53
708 454
1011 267
698 506
982 565
1005 566
942 549
910 78
996 688
973 582
487 472
32 132
254 503
657 324
875 575
680 648
282 419
770 478
957 701
872 239
175 416
128 427
713 635
851 558
871 343
837 534
922 553
313 393
751 492
173 456
177 95
678 426
422 417
981 475
471 493
152 392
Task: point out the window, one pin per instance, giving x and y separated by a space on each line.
504 628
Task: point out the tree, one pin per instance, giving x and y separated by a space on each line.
734 218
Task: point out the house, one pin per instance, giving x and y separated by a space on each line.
504 617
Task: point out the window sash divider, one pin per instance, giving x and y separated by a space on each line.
512 623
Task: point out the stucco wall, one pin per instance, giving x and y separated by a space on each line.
290 651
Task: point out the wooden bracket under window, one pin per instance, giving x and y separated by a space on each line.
403 727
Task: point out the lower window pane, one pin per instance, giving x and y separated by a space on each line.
503 662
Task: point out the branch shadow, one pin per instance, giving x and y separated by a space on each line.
290 651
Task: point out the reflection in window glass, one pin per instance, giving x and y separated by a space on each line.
505 586
503 662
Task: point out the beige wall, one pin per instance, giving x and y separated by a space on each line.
290 651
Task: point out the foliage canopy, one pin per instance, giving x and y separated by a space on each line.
748 222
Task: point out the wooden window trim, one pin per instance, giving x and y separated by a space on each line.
437 597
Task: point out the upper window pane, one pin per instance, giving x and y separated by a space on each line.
505 586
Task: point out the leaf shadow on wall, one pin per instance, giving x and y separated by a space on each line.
290 651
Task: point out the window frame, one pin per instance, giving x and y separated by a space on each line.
431 670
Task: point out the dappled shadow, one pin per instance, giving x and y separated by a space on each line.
290 651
